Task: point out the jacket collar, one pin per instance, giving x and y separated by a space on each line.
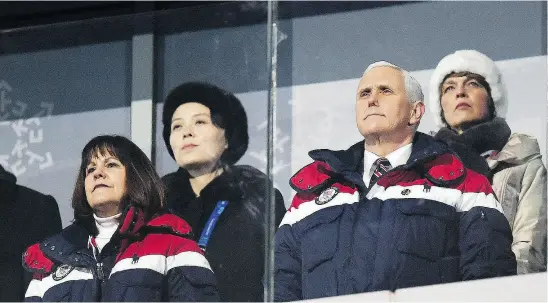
71 245
347 164
223 184
490 135
351 160
67 247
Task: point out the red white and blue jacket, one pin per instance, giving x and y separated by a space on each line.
144 261
426 222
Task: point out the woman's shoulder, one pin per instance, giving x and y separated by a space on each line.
520 149
252 183
171 222
173 177
244 179
521 138
168 234
247 173
36 260
177 186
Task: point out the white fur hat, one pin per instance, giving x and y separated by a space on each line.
467 61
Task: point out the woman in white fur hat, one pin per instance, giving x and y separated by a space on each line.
468 101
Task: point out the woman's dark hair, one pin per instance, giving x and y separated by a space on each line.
481 80
144 187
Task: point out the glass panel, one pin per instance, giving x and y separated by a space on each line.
365 32
325 49
60 86
224 45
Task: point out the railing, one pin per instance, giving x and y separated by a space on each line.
523 288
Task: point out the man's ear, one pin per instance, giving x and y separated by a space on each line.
417 111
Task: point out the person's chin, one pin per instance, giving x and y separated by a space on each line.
104 203
193 164
188 160
467 123
372 131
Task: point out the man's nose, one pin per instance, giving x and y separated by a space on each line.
373 99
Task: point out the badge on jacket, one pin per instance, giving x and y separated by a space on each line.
62 271
327 195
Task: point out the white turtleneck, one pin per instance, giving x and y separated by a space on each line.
106 227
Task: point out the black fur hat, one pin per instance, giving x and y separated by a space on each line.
227 113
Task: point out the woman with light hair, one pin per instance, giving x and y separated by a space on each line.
468 102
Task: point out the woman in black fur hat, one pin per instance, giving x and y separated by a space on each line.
205 131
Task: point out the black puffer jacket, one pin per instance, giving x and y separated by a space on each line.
26 217
236 247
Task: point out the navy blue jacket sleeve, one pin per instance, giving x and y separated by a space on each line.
191 284
485 238
287 271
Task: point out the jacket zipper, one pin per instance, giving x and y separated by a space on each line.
100 273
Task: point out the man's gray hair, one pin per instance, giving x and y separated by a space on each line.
412 86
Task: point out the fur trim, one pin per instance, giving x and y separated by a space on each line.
471 61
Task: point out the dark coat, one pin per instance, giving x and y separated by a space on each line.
426 222
236 247
143 261
26 217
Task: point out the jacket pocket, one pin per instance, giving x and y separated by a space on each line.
426 236
136 285
61 295
425 228
319 246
